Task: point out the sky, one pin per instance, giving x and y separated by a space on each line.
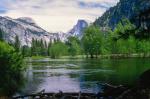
56 15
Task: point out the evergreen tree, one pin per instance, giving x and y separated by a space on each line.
49 46
1 35
26 51
17 44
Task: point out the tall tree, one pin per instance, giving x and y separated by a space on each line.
91 40
17 43
1 35
74 46
49 46
26 51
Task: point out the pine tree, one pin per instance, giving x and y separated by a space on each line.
49 47
1 35
17 44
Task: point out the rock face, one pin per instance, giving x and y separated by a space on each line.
77 30
125 8
26 29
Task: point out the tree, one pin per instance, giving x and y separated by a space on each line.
49 46
39 47
58 49
11 66
91 41
123 37
124 29
131 45
143 46
26 51
74 47
1 35
17 44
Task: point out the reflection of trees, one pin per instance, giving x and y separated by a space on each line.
89 72
113 71
95 70
32 81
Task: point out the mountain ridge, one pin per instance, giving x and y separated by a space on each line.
125 8
27 29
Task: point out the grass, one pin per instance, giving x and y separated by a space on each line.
39 57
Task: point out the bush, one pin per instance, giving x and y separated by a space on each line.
11 66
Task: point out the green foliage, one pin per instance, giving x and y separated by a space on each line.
11 66
74 47
106 43
49 46
143 46
26 51
58 49
92 41
123 40
38 47
124 29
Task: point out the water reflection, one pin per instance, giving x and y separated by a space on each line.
81 75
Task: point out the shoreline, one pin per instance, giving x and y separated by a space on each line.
107 56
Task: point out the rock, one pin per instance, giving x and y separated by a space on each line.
78 29
144 80
26 29
26 20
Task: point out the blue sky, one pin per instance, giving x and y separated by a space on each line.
56 15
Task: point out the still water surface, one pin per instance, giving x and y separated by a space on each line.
74 75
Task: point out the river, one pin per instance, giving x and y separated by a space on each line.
74 75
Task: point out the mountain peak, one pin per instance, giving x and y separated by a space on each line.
77 30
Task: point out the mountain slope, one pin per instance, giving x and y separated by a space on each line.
125 8
26 29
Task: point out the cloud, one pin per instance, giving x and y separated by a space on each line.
56 15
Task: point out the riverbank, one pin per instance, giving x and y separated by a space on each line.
114 56
107 56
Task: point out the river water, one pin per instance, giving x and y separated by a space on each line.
74 75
